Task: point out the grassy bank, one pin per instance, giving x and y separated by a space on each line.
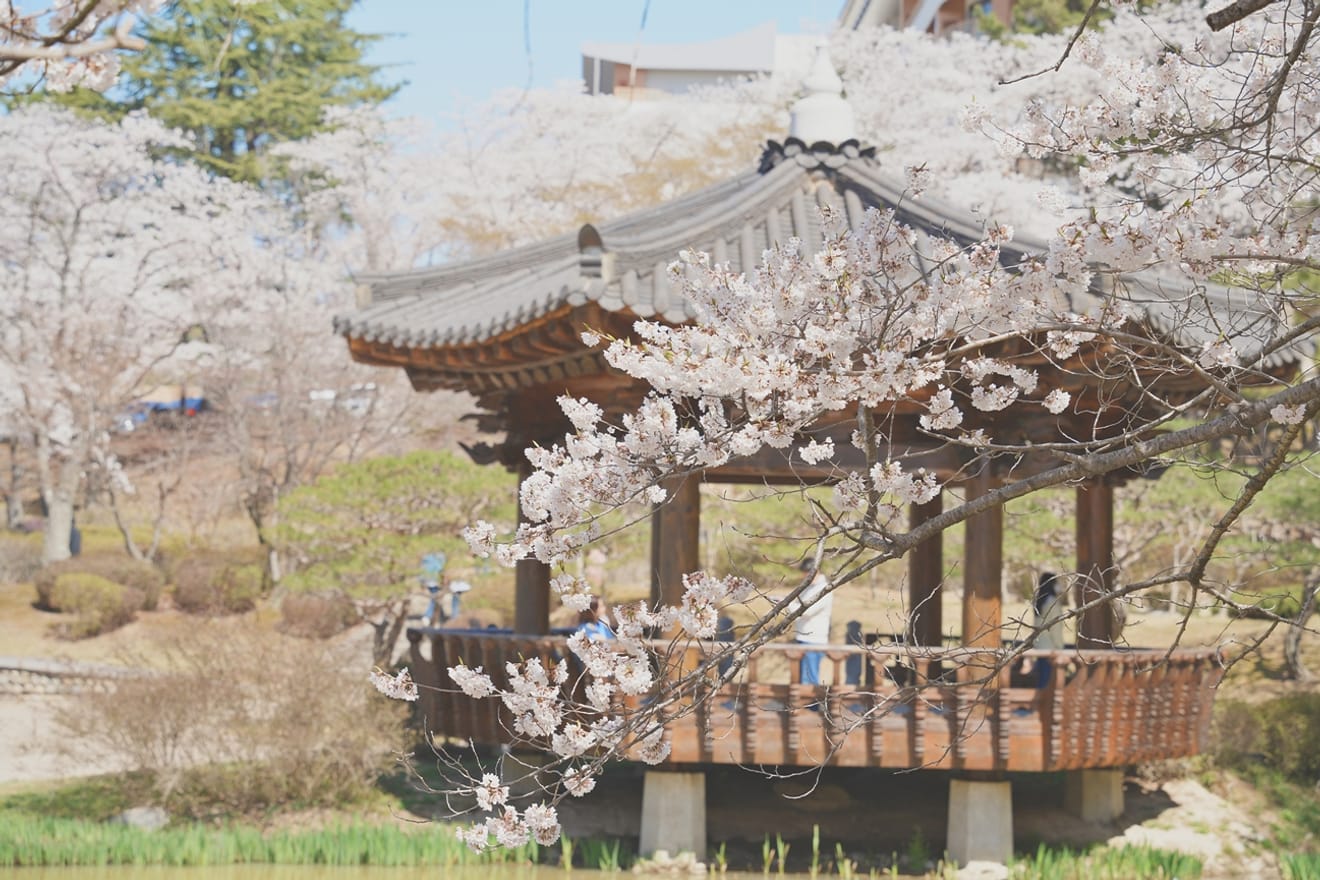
27 840
31 841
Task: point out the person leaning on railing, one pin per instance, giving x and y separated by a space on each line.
813 627
592 621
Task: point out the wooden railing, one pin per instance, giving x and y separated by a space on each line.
882 706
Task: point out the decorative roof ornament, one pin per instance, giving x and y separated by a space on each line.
823 113
822 132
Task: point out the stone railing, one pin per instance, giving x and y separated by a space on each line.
24 675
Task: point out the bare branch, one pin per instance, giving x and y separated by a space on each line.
1235 12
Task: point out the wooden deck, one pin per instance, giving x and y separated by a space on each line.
905 708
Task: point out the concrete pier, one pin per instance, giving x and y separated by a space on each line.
1094 795
674 813
980 821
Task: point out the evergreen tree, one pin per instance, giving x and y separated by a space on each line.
240 77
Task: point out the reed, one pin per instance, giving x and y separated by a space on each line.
1299 866
38 841
1122 863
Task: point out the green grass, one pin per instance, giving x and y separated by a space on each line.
1123 863
1300 866
27 840
1297 809
95 798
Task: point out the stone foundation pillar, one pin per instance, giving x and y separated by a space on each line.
1094 795
980 821
674 813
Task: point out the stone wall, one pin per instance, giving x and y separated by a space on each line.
21 675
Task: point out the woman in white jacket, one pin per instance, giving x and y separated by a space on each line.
1048 605
813 627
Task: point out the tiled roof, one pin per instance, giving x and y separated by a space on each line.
621 265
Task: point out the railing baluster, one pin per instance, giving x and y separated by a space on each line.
793 705
1003 744
749 709
1058 698
921 689
875 729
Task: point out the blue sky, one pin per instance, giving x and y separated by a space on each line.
457 51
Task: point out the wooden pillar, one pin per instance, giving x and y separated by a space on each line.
675 538
1000 9
925 574
1095 562
531 596
983 574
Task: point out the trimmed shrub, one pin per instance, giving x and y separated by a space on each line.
123 570
316 616
212 587
97 604
44 581
132 573
1279 734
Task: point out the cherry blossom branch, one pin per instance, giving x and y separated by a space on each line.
56 48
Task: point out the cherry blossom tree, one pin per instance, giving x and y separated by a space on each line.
516 169
69 42
110 256
289 405
1195 161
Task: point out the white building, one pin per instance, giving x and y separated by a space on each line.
642 70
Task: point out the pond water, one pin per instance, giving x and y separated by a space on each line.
295 872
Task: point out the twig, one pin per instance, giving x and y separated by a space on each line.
1067 50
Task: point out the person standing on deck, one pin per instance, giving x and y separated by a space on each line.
813 627
592 621
1048 607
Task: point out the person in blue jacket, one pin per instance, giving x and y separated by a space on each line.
592 621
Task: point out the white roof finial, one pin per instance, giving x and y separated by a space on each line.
822 114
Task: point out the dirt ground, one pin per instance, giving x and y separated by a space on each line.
30 742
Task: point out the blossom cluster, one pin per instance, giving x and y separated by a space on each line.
397 687
861 324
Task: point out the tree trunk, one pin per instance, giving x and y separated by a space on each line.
59 527
1292 642
260 510
13 498
386 632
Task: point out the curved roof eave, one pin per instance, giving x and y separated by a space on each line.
474 301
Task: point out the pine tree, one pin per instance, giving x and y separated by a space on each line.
240 77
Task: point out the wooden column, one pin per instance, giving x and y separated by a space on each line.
675 537
925 573
531 596
983 570
1095 561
